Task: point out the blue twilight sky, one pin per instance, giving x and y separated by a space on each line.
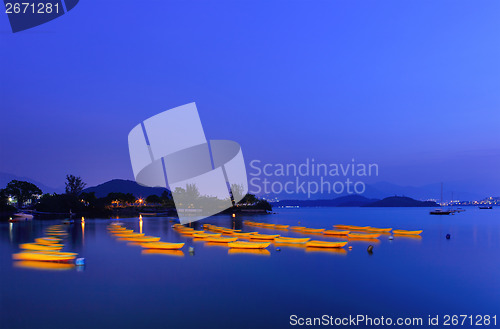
411 85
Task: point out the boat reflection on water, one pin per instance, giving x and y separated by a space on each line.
293 245
48 266
237 251
178 253
336 251
408 236
376 241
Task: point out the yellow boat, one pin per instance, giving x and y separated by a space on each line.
352 227
296 228
249 245
54 252
42 257
191 233
206 235
363 235
281 227
312 230
47 241
142 239
36 246
325 244
283 239
266 225
220 239
263 236
162 245
380 230
336 232
122 231
407 232
244 235
38 265
128 235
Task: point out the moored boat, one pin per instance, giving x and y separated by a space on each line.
42 257
162 245
407 232
263 236
37 246
336 232
364 235
142 239
325 244
283 239
249 245
220 239
312 230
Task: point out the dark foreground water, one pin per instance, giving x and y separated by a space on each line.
120 287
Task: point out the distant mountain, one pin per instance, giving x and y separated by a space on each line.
400 201
6 178
343 201
124 186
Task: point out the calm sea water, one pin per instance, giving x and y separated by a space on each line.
120 287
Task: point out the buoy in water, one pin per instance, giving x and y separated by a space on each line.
448 236
278 249
370 249
350 247
80 261
391 238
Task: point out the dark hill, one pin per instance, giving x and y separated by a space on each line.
343 201
401 201
124 186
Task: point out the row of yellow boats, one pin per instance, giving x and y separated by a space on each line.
255 239
351 231
45 249
147 242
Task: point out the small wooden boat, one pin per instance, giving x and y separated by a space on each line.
249 245
336 232
325 244
380 230
128 235
266 225
206 235
352 227
407 232
36 246
121 231
283 239
142 239
220 239
42 257
263 236
281 227
243 235
296 228
191 233
47 240
312 230
162 245
363 235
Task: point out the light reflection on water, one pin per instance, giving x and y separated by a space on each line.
126 286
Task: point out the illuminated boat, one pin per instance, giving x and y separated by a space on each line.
363 235
336 232
283 239
407 232
43 265
206 235
380 230
36 246
49 257
220 239
352 227
47 240
129 235
162 245
312 230
142 239
325 244
244 235
281 227
296 228
263 236
249 245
